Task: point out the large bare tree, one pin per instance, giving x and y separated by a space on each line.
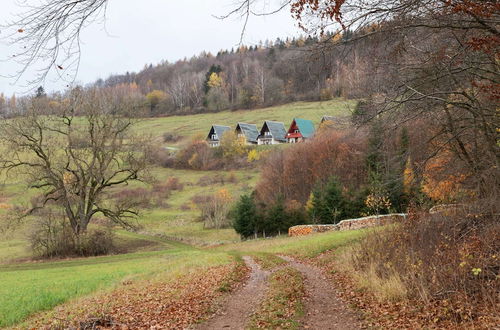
74 160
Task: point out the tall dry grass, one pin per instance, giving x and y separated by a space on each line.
445 262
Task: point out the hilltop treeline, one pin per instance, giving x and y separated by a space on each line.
271 73
247 77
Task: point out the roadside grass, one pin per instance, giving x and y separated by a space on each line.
200 124
267 261
283 306
304 246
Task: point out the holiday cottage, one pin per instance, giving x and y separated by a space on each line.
215 134
248 132
300 130
272 132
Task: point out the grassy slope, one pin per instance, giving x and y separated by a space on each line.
201 123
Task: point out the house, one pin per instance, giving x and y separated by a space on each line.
248 132
300 130
272 132
215 134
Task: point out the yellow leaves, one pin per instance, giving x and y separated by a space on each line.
156 96
68 178
476 271
215 80
253 155
232 145
408 177
377 202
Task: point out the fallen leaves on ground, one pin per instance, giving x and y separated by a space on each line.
154 304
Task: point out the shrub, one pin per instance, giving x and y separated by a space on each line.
215 209
447 262
51 236
171 137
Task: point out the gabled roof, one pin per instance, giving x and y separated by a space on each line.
306 127
219 130
249 130
277 129
328 118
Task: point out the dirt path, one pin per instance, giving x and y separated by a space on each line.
323 308
236 310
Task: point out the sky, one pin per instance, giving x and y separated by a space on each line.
136 33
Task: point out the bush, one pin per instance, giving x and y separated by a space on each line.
171 137
447 262
51 236
215 209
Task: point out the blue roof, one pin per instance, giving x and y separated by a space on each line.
306 127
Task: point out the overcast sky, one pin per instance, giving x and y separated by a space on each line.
148 31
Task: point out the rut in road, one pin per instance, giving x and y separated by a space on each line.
237 309
323 308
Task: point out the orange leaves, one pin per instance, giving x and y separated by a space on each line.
20 30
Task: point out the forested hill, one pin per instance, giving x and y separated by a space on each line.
247 77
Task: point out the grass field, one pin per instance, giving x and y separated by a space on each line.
186 126
26 288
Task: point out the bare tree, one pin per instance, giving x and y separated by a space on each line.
74 160
48 35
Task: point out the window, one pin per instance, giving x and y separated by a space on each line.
214 136
296 131
267 133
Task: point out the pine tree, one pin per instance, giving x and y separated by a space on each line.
245 217
40 92
334 201
276 218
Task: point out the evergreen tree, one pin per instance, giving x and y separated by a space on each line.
334 201
328 203
245 217
276 218
40 92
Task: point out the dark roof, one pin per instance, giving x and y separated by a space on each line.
277 129
249 130
306 127
219 130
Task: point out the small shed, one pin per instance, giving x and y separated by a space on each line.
215 134
247 131
272 132
300 130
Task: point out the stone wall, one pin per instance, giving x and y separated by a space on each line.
349 224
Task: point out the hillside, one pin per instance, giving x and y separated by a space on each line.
199 124
178 216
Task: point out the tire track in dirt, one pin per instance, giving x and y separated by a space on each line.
323 308
238 307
